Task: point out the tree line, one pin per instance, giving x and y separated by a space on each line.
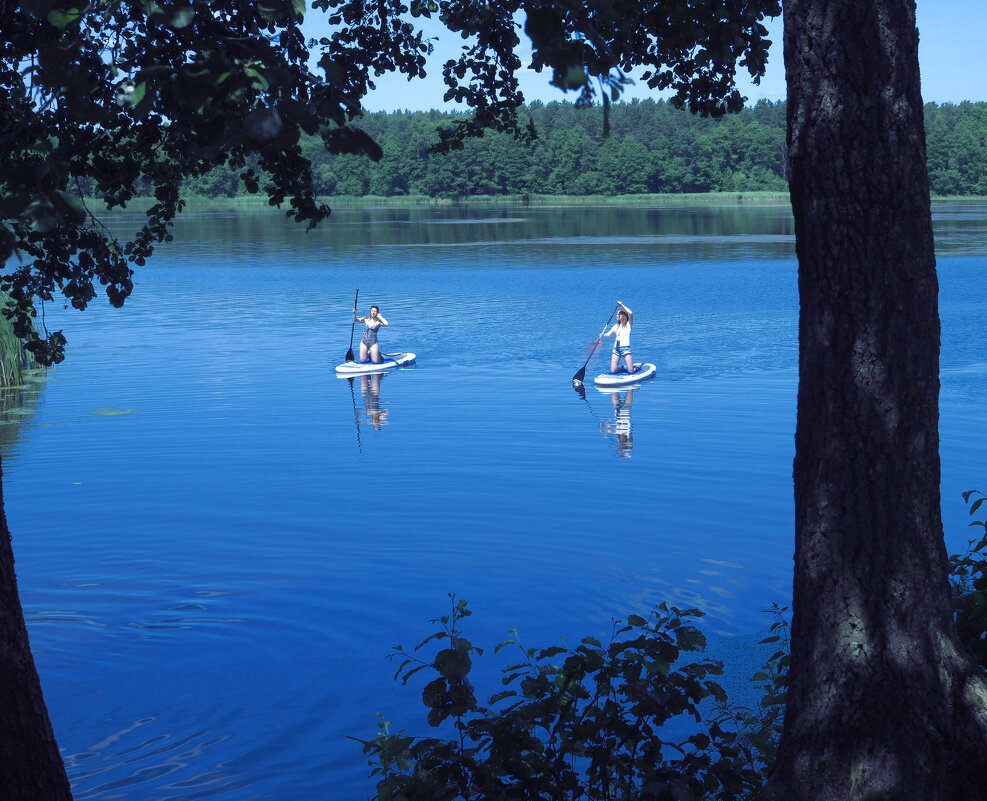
652 147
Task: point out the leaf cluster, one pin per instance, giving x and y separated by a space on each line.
637 717
968 579
119 93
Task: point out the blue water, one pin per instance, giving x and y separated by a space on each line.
218 541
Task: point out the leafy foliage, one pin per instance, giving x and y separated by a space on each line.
114 92
622 720
105 96
758 728
626 719
968 577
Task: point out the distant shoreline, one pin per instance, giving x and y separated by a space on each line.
259 202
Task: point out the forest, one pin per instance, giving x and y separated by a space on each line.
652 147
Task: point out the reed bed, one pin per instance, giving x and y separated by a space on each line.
14 360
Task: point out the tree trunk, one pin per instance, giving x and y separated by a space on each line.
31 767
882 703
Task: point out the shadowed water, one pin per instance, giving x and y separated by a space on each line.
218 541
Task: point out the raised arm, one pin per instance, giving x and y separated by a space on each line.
358 319
630 314
380 317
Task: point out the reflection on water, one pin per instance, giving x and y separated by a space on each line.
617 427
370 390
764 227
374 412
18 404
620 426
160 760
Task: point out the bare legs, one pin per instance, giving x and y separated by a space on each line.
615 361
374 352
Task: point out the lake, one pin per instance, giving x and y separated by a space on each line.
218 541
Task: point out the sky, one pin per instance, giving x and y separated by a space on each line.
952 35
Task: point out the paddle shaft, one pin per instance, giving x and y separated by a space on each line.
349 353
581 372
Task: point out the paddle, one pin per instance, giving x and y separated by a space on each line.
581 372
349 353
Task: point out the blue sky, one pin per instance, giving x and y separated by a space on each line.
951 57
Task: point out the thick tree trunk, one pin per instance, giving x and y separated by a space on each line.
882 704
31 767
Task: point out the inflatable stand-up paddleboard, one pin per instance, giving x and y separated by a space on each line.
622 378
391 361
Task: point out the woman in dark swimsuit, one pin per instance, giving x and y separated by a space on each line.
368 344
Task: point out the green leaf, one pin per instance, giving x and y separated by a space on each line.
636 620
182 18
263 124
62 19
976 505
260 82
410 673
658 666
453 664
299 7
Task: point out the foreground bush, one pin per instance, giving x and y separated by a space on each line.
639 718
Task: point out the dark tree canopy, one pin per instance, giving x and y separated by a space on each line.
119 93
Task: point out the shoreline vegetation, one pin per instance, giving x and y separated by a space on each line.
199 203
14 360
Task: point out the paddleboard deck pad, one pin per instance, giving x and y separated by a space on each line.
622 378
360 368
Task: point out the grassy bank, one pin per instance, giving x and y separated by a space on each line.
258 202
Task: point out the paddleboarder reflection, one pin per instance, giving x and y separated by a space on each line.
620 426
370 390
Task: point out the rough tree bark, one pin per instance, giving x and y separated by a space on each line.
883 703
31 767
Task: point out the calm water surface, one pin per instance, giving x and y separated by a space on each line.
218 541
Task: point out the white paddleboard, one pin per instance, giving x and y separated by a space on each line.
622 378
391 361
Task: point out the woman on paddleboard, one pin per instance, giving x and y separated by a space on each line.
368 344
622 344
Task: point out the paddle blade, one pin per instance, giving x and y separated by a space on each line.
349 355
580 375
